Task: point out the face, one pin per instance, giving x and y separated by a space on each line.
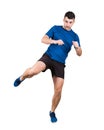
68 23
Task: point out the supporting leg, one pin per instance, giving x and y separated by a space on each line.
58 84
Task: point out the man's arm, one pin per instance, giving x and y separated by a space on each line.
48 40
77 48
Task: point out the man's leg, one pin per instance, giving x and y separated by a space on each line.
58 84
34 70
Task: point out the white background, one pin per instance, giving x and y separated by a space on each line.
22 25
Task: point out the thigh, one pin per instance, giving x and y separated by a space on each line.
58 83
38 67
46 59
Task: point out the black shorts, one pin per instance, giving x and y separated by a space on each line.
57 68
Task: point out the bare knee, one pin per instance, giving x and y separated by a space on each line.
58 91
32 72
37 68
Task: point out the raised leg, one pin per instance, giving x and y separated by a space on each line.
35 69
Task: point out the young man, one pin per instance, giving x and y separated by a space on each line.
60 40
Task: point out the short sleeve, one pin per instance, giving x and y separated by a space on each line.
77 39
50 33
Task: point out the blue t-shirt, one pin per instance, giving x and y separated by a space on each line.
60 52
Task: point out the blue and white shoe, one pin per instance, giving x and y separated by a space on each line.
17 82
53 117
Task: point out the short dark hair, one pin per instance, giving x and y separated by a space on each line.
70 15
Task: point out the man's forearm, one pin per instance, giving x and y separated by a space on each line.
78 51
47 40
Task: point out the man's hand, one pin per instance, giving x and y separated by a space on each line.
77 48
75 43
59 42
48 40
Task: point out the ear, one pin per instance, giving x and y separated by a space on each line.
73 20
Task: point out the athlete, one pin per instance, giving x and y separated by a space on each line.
60 40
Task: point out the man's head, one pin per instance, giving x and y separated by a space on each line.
69 19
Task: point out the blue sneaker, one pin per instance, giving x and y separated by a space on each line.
53 117
17 82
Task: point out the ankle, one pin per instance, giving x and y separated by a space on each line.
21 78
